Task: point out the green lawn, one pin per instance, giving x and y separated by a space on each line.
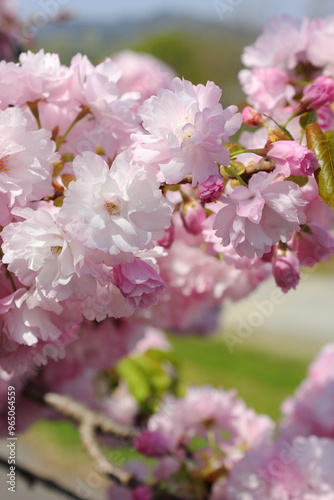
263 380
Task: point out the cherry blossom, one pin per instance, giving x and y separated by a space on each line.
186 127
255 217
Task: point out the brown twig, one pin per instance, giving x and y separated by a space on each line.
32 478
89 423
264 165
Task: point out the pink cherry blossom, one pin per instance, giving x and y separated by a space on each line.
311 409
37 252
318 93
320 48
119 210
42 76
139 282
281 44
108 301
26 162
254 218
267 89
32 334
302 469
186 127
142 73
112 118
292 158
211 189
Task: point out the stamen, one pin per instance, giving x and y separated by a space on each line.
3 167
112 209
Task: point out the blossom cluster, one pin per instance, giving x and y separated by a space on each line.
210 445
116 204
125 209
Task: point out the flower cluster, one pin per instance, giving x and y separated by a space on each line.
125 209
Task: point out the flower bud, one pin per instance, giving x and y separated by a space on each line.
251 117
138 282
319 93
192 215
211 189
142 493
151 444
286 270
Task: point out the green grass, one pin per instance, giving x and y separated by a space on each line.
263 380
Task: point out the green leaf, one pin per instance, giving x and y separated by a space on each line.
135 378
323 146
307 118
157 378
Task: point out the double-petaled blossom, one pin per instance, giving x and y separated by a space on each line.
204 412
282 44
292 158
211 189
318 93
37 252
310 411
186 127
34 331
268 88
118 210
301 469
254 218
139 282
26 161
142 73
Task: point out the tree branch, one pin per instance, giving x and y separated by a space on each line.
31 478
78 412
89 423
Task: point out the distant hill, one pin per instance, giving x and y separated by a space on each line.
198 50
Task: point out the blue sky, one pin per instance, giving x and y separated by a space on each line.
248 11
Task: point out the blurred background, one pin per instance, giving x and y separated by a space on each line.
201 39
264 347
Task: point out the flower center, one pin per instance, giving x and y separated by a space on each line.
187 136
112 209
55 249
3 167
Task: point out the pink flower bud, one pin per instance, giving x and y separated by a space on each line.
152 444
142 493
192 215
292 158
319 93
138 282
211 189
251 117
286 270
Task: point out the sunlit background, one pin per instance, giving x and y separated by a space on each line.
201 39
